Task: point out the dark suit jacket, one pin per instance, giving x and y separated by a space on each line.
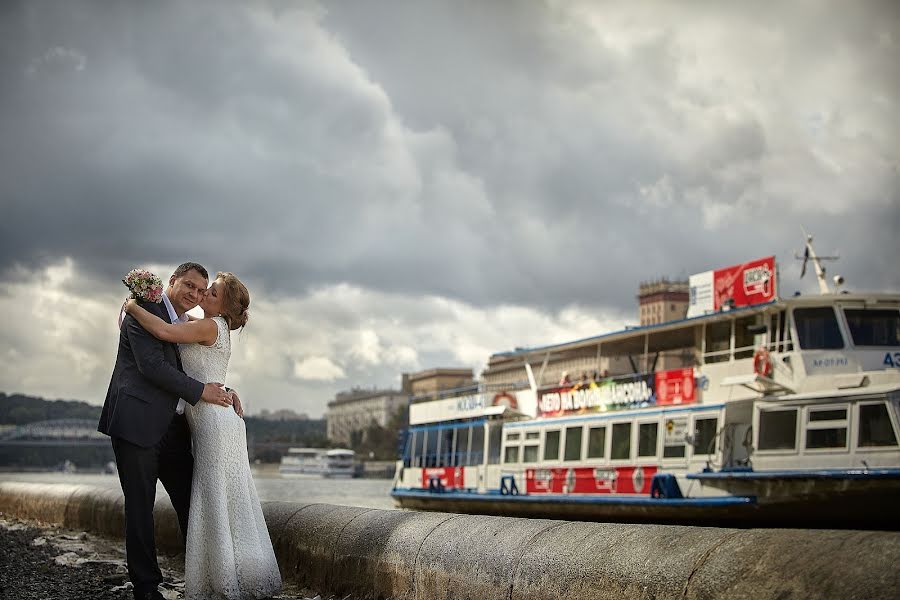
146 384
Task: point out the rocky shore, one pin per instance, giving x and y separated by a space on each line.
40 562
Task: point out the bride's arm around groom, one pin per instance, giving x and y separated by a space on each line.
146 378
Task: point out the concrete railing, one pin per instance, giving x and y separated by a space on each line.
366 553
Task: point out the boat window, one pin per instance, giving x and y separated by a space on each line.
476 456
826 428
745 340
674 451
462 446
512 436
647 435
784 337
409 457
511 455
573 443
718 341
874 327
431 441
530 454
674 442
437 451
875 427
446 449
778 429
533 435
420 445
496 436
827 414
596 442
453 449
705 435
817 328
621 441
551 445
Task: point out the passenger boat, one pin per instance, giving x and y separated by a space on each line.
317 462
753 409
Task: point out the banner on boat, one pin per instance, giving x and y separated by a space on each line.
664 387
450 478
589 480
745 284
675 387
470 406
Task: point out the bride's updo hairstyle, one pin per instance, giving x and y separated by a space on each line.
235 301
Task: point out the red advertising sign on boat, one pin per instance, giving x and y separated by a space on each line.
451 478
675 387
589 480
745 284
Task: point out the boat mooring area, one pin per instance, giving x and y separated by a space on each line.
354 552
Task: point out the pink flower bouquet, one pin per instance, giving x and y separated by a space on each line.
144 285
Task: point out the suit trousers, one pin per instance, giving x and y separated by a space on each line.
169 461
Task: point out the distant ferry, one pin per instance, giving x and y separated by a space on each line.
317 462
788 414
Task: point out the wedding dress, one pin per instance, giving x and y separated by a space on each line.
229 553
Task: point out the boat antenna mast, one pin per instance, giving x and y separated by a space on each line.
810 255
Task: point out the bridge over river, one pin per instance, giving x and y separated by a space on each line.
56 432
83 432
49 444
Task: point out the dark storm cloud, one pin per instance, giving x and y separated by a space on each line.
493 153
405 185
570 128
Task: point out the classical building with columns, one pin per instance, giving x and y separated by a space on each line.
355 410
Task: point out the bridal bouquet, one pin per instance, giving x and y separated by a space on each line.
144 285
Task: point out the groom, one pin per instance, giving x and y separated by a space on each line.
145 419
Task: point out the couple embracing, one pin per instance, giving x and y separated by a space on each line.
171 419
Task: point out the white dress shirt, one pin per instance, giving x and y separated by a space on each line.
173 316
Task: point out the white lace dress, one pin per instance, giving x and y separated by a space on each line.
229 553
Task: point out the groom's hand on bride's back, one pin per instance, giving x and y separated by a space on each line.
214 393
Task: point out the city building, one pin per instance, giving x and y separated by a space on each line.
427 384
662 301
355 410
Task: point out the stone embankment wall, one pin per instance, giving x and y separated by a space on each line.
366 553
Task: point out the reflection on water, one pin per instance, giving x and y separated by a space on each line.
371 493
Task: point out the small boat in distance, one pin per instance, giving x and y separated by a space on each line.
317 462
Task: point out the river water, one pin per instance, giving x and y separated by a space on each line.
370 493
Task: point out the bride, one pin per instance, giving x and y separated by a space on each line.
229 553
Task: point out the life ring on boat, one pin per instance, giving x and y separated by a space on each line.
762 365
505 399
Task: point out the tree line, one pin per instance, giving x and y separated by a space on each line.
19 409
266 437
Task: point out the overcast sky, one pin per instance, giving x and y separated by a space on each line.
408 185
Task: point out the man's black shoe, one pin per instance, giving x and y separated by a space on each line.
149 595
